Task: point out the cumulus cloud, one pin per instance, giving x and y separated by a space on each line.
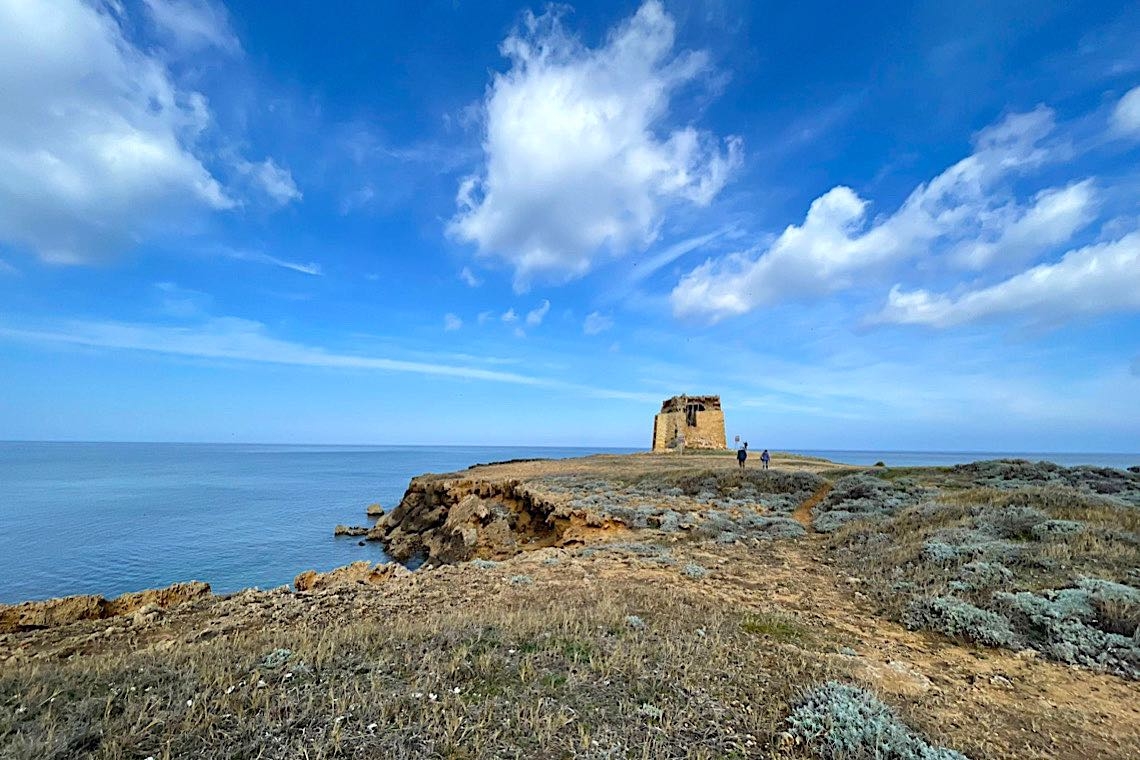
1126 116
193 25
596 323
964 209
579 159
509 317
534 318
451 323
96 139
1092 280
1053 217
274 181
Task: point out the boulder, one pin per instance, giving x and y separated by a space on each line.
350 530
375 510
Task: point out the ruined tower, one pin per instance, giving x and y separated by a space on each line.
698 419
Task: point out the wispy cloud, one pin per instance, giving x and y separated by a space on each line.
6 268
194 24
246 340
596 323
534 317
258 257
469 278
451 323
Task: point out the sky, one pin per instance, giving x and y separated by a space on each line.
899 226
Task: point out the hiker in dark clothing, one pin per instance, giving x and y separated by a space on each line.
742 454
765 457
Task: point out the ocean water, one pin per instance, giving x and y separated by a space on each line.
107 518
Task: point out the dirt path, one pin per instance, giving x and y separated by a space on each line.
802 515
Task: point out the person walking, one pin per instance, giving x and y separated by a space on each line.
742 454
765 457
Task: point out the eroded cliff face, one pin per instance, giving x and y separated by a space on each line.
54 612
454 520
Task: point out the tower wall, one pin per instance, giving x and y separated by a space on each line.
708 433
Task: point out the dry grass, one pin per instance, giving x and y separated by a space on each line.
528 675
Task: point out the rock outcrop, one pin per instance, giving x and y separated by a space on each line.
350 530
358 573
70 609
446 521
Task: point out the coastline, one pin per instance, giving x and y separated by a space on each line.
607 589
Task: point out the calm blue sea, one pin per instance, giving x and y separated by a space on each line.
106 518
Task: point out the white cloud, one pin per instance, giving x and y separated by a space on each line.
257 257
193 25
1055 216
596 322
1092 280
6 268
579 158
835 243
485 317
97 142
237 339
534 318
275 181
451 322
1126 116
469 278
509 317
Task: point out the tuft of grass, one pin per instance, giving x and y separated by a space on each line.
776 626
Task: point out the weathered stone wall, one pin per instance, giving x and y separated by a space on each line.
708 433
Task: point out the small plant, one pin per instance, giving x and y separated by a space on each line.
521 580
484 564
840 722
693 570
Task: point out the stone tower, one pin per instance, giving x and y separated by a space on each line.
698 419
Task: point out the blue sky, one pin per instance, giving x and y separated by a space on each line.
890 226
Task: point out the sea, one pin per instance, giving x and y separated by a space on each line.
109 518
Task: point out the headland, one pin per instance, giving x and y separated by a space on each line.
649 605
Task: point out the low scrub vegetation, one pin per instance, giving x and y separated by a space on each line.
1018 564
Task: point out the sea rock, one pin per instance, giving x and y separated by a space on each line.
375 510
71 609
358 573
350 530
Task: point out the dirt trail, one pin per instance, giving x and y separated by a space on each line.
802 515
